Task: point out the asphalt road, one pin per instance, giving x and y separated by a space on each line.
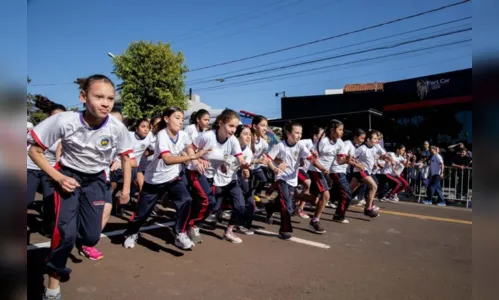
411 251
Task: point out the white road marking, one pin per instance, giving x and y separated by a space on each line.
168 224
108 234
296 240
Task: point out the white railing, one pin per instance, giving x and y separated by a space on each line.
456 185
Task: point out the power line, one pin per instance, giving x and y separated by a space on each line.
348 54
332 66
333 37
214 77
279 7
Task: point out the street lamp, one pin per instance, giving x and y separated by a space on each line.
283 93
111 55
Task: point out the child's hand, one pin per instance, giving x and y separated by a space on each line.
246 174
115 165
68 184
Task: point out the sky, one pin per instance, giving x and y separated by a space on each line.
70 39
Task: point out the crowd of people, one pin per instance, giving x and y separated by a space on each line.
88 163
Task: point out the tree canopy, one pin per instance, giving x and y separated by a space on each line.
152 79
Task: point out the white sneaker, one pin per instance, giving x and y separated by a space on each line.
131 241
245 230
375 208
211 218
361 202
56 297
231 237
194 235
183 242
226 214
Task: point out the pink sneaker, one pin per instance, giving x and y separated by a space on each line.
91 253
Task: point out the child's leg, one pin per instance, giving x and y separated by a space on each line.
238 204
202 195
371 191
178 193
33 180
395 183
148 198
285 203
341 183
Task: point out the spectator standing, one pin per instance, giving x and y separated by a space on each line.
461 163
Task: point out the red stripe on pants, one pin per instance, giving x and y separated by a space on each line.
198 190
397 186
284 209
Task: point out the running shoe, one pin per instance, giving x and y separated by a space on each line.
56 297
427 202
183 242
231 237
375 208
285 235
257 199
131 241
269 215
341 220
361 202
244 230
316 227
300 213
91 253
441 203
194 235
392 200
211 218
371 213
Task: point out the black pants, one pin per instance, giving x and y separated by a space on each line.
248 199
284 204
78 218
233 193
177 193
37 178
341 188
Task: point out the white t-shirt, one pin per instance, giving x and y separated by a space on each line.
391 169
261 148
367 156
436 162
146 161
85 149
192 131
309 144
231 166
341 151
291 156
140 145
327 153
49 156
220 151
158 171
349 149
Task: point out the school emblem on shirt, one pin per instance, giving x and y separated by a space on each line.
295 153
104 141
142 146
226 156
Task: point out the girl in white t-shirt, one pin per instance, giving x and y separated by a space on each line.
290 152
232 187
199 122
259 147
222 144
165 175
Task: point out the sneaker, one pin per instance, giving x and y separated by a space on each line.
211 218
269 215
285 235
300 213
91 253
341 220
361 202
384 199
131 241
194 235
427 202
316 227
371 213
392 200
441 204
231 237
226 214
375 208
183 242
56 297
245 230
257 199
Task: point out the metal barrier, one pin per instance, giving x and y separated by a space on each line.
456 185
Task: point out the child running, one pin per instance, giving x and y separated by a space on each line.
228 186
199 123
223 144
87 140
366 155
260 147
391 173
303 177
290 152
164 175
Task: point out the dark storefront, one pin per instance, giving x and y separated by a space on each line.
435 108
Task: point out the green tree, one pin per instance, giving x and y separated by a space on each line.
35 115
152 79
